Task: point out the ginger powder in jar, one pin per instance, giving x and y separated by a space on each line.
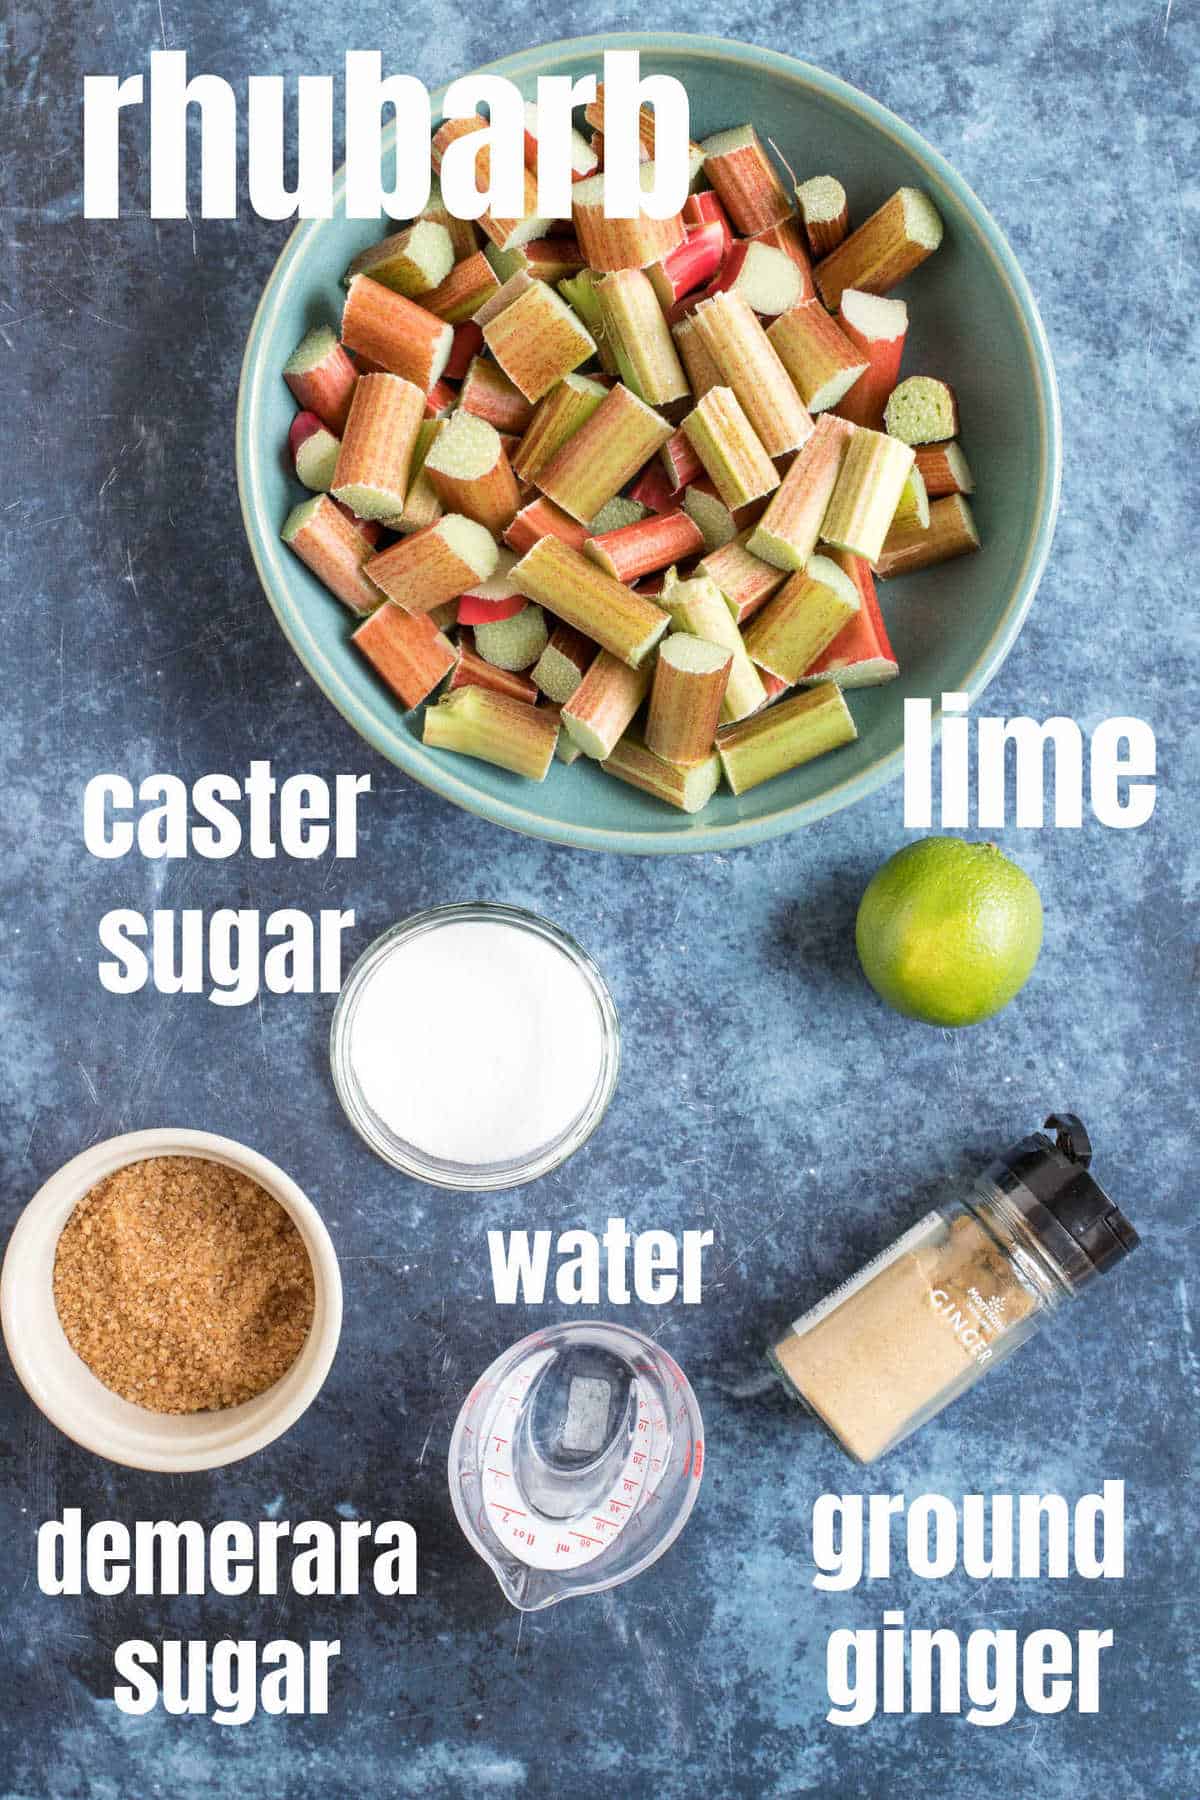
955 1295
183 1285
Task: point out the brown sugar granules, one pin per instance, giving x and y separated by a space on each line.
183 1285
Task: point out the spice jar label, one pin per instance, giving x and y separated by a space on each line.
824 1307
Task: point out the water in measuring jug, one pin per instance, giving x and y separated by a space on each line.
576 1461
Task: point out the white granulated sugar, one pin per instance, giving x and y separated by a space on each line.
477 1043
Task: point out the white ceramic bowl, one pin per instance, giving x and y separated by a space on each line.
71 1397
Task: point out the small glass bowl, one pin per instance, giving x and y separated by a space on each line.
437 1171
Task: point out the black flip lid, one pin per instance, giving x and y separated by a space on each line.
1055 1174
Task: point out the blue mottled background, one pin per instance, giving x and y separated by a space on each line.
765 1092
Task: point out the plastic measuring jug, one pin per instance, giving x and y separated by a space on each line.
575 1461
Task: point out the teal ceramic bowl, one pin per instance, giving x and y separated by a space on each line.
973 321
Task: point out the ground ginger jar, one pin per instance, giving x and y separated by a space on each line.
955 1295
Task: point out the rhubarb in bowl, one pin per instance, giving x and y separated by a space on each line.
950 624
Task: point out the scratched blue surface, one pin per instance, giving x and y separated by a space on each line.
765 1092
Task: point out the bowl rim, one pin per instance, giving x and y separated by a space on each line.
440 777
294 1392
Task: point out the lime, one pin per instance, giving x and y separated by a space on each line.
949 931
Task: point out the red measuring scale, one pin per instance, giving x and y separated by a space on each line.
575 1461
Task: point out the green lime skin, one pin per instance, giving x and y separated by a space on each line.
949 931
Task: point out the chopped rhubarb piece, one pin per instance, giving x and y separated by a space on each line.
580 594
876 327
436 564
707 209
691 265
375 457
314 451
475 611
774 685
468 342
334 549
487 602
476 721
636 550
440 400
951 532
394 332
607 451
472 670
790 733
471 473
653 489
410 262
741 171
539 519
584 160
632 324
922 410
788 237
944 470
690 789
690 678
407 650
822 202
731 453
611 243
516 642
821 360
564 662
766 278
869 485
369 528
861 654
802 619
886 247
322 377
604 704
680 462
